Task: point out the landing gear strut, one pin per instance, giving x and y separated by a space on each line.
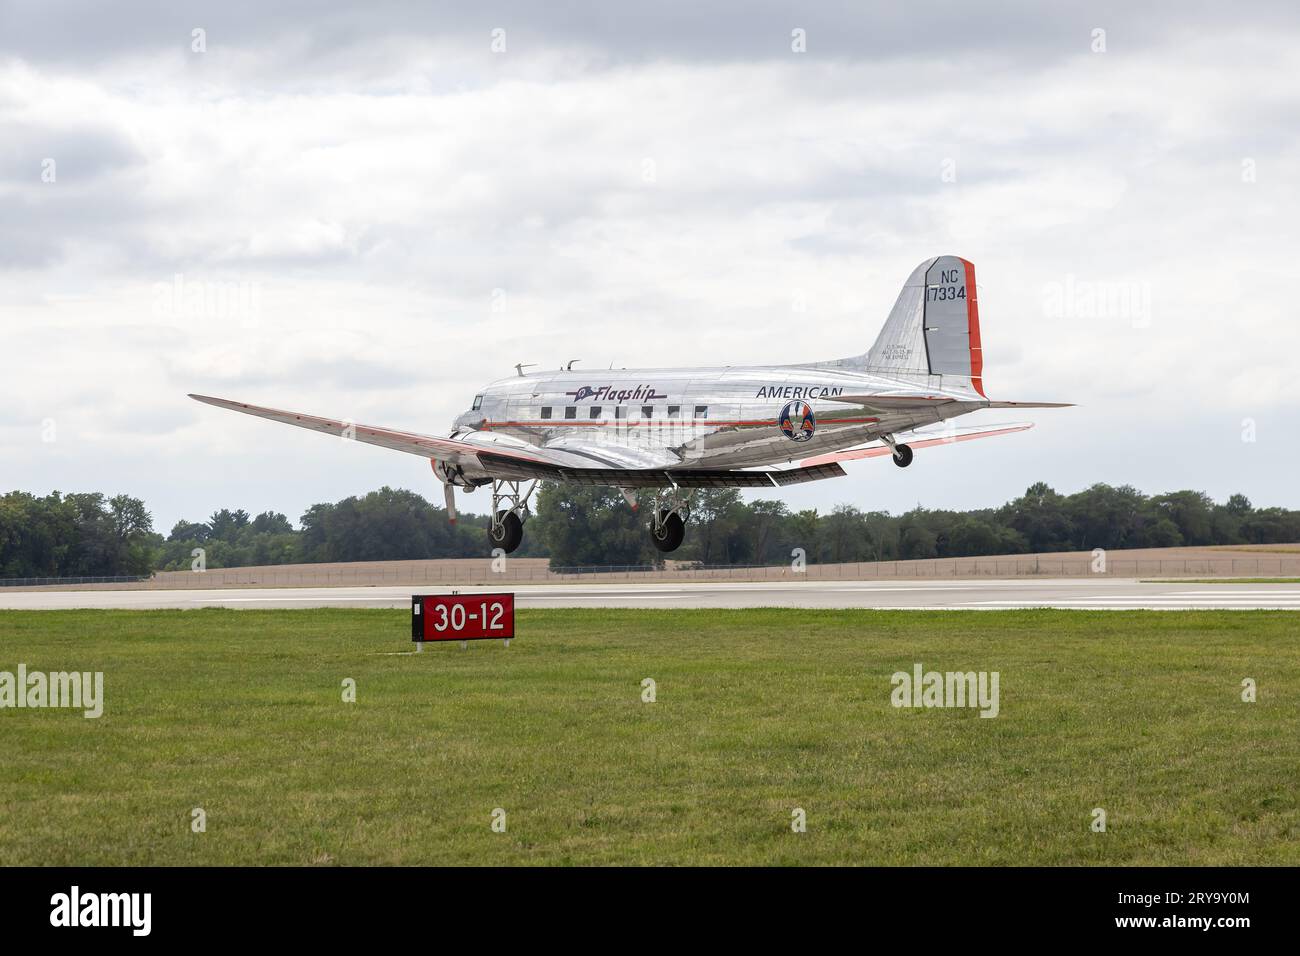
668 519
507 528
902 453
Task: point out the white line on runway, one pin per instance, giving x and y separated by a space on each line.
1125 606
1289 592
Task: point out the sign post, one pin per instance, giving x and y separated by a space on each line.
462 617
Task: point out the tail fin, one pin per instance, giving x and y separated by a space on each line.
934 327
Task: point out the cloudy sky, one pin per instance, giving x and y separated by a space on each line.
369 210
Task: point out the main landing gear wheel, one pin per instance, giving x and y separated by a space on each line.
507 532
668 518
668 531
902 456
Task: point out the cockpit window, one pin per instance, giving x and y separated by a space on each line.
478 403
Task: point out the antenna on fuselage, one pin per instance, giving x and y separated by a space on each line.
523 365
569 367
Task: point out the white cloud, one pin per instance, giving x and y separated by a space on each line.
636 210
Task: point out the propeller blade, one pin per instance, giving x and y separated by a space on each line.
449 496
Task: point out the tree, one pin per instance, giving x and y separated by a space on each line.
189 531
585 526
224 524
1238 505
1158 533
75 535
915 539
1191 513
767 532
846 536
972 536
717 519
1103 517
1039 515
271 522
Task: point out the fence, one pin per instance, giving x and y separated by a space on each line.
43 582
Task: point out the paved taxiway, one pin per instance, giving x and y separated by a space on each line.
1085 593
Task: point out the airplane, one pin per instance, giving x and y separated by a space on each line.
673 431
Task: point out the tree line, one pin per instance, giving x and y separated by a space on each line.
90 534
75 535
595 526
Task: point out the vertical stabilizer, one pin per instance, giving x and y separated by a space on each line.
934 327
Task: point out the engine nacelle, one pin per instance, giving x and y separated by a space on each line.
450 474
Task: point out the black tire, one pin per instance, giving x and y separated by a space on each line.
669 535
902 456
508 533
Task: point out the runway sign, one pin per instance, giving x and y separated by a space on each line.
462 617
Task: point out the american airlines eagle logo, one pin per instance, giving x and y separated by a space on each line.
797 421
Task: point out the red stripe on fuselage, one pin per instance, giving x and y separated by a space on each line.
566 422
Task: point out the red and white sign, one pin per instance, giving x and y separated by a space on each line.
462 617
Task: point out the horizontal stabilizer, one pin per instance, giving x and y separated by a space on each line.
1030 405
921 440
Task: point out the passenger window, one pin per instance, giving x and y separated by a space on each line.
647 411
701 411
546 411
620 411
478 403
570 411
595 411
674 411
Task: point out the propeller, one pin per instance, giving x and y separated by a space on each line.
449 496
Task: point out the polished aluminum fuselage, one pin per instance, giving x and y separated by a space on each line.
704 417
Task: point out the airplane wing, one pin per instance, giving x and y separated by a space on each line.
501 458
922 439
458 451
663 477
808 469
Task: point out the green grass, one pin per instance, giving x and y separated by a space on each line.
758 712
1222 581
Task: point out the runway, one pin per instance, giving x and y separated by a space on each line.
1079 593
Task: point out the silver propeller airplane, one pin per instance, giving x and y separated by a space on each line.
672 431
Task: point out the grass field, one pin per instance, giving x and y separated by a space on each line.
757 712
